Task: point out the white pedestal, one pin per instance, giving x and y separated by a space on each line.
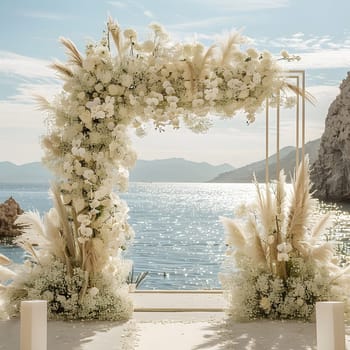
330 325
34 325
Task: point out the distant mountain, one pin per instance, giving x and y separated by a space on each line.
165 170
287 162
26 173
176 170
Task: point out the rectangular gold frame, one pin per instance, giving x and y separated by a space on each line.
299 77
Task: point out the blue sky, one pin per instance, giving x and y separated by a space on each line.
318 31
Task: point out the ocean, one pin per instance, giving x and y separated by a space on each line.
179 239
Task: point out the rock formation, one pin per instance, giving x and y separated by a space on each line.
331 171
9 210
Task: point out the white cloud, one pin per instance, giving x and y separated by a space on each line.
25 66
148 14
20 115
302 42
245 5
204 23
116 3
22 123
47 15
322 59
20 147
316 52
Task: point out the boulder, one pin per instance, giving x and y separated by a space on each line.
9 210
331 170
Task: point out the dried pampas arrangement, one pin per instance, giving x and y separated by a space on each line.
281 268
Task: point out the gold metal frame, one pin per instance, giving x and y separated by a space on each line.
299 76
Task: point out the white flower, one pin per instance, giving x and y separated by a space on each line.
265 304
243 94
106 77
114 90
84 219
89 63
79 204
234 83
197 103
169 90
89 174
126 80
111 126
99 87
93 291
283 250
102 51
95 204
300 302
85 231
81 95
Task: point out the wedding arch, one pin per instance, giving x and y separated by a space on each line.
75 250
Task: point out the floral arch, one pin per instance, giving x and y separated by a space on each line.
75 250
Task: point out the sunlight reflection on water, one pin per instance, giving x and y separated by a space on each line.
179 238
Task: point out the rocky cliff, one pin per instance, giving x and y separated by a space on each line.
9 210
331 171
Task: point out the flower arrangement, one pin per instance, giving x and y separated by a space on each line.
74 251
277 265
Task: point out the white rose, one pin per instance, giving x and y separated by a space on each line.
300 302
243 94
126 80
81 95
88 174
85 231
93 291
114 90
84 219
95 203
79 204
99 87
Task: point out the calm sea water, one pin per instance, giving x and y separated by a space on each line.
179 238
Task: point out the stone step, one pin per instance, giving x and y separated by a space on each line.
179 301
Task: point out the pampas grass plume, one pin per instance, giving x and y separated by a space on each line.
235 236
